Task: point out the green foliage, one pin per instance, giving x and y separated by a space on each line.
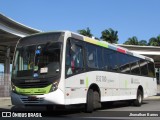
132 41
154 41
142 43
110 36
86 32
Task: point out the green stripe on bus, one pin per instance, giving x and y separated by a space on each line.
102 44
126 83
34 91
86 81
96 42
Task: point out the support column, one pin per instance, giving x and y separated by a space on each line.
7 64
7 81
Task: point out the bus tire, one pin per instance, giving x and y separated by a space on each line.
90 101
97 103
139 99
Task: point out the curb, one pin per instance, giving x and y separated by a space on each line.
5 101
153 98
5 98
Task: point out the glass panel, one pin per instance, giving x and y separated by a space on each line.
74 58
24 61
106 59
124 63
110 60
144 67
92 56
151 69
32 62
99 57
47 60
135 69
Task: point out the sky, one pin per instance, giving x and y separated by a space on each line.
130 18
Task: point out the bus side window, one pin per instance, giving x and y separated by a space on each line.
91 56
68 69
94 57
106 59
144 67
124 63
135 68
151 70
74 57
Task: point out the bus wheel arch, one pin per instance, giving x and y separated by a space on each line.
95 87
141 89
139 97
93 98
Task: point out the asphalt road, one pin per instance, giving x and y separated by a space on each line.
119 110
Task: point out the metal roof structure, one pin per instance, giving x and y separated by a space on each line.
150 51
10 32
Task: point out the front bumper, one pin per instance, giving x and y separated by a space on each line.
54 98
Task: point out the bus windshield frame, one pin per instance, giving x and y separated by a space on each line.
42 60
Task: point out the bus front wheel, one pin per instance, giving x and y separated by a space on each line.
90 101
93 101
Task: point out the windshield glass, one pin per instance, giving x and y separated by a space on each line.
36 61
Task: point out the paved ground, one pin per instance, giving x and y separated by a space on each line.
6 101
119 110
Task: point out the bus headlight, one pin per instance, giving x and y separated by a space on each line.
54 86
13 87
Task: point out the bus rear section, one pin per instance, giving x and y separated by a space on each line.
99 72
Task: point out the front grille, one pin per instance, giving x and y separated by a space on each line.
27 100
32 84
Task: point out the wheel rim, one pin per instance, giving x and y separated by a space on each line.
140 98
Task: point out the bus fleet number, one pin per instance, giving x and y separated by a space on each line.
101 79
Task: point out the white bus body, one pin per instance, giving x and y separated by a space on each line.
72 88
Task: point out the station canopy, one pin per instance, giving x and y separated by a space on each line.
150 51
10 32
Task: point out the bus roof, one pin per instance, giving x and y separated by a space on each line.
107 45
96 42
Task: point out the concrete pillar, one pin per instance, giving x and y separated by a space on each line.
7 64
159 76
7 81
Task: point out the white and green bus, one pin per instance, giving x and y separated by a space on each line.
65 68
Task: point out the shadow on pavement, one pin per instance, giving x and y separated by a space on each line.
76 111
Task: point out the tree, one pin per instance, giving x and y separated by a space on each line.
154 41
142 43
110 35
132 41
86 32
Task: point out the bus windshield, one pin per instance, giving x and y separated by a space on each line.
36 61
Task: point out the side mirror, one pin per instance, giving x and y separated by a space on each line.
57 71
